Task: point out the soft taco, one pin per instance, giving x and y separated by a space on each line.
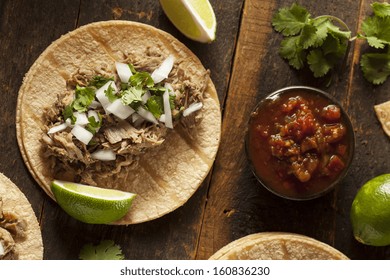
20 235
148 102
277 246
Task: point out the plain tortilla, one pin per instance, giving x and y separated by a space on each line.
168 175
277 246
383 113
14 201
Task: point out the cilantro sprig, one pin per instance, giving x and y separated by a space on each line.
313 42
139 84
375 63
106 250
319 44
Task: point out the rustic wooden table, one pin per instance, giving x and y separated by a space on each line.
245 66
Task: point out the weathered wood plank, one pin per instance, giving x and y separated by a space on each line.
231 177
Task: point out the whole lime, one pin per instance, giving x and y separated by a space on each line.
370 212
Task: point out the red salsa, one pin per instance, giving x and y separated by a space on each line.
298 143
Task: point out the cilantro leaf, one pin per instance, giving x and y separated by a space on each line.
68 113
318 63
141 79
157 89
381 9
321 24
155 105
132 69
293 52
375 67
290 21
334 48
99 81
308 36
106 250
335 30
132 96
377 31
94 125
172 101
375 42
322 60
325 27
109 92
331 45
83 98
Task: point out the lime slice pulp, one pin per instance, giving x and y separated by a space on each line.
194 18
92 205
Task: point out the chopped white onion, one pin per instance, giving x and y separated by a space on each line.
145 97
162 118
147 115
68 121
192 108
93 114
104 155
2 252
119 109
82 134
95 104
170 89
57 128
123 71
101 96
167 110
163 70
81 118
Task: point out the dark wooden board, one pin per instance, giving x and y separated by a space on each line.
231 203
237 204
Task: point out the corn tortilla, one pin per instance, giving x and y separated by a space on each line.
277 246
383 113
15 202
167 175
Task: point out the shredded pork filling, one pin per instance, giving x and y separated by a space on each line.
12 230
125 138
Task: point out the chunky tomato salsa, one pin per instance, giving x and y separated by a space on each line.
299 143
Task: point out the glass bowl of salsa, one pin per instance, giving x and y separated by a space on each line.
300 142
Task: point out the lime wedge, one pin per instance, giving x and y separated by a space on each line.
194 18
90 204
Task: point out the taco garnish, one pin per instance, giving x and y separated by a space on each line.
82 76
20 236
113 119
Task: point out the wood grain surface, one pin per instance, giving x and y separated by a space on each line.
245 66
